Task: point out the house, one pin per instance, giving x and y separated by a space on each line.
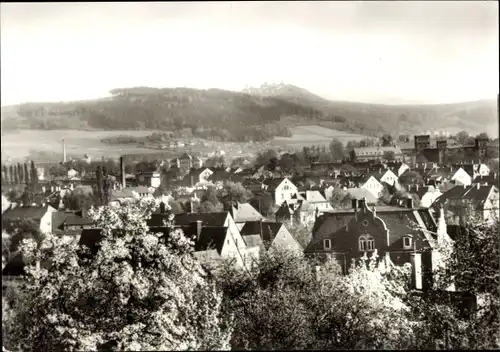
491 179
388 177
244 212
149 179
374 153
70 220
461 177
253 185
462 202
399 235
42 215
227 238
362 193
200 175
282 189
268 235
72 173
426 194
129 193
186 161
296 211
316 200
372 183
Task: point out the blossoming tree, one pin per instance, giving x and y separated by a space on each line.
139 291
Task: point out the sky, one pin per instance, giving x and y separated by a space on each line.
374 51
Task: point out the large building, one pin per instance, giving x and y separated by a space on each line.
439 152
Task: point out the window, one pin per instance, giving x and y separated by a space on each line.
365 222
407 242
366 243
327 244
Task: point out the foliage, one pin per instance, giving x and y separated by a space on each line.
389 155
215 161
21 229
80 198
281 304
340 199
235 192
140 291
337 149
301 233
386 140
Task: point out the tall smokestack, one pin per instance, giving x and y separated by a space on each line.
64 151
122 171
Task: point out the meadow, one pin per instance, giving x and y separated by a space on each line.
46 145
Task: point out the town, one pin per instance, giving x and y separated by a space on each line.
211 176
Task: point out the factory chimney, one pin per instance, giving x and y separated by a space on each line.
64 151
122 172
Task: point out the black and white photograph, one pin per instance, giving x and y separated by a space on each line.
250 175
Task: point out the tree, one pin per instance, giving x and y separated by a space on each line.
210 195
34 174
340 199
175 207
483 135
80 198
20 173
27 176
264 158
404 138
139 291
389 155
99 184
386 140
337 149
20 229
16 175
11 174
208 207
235 192
280 303
462 137
5 174
474 266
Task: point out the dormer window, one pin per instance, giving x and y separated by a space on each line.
366 243
407 242
327 244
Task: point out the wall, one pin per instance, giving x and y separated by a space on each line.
285 240
373 186
284 192
46 221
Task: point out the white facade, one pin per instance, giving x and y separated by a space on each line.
402 169
373 186
430 196
72 173
284 191
46 221
389 177
462 177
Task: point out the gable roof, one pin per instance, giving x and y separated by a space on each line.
207 219
273 183
35 213
360 193
242 212
266 230
474 194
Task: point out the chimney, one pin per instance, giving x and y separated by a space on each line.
122 172
192 180
478 185
355 207
362 204
495 175
317 272
409 203
416 271
416 187
197 225
162 208
64 150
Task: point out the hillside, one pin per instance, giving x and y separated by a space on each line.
256 113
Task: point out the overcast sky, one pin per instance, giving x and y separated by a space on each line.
390 52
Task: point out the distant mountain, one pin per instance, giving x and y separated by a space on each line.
275 106
282 90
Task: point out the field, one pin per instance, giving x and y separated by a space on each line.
312 134
46 145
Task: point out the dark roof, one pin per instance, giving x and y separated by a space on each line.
35 213
58 219
272 183
211 237
207 219
473 194
266 230
76 220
